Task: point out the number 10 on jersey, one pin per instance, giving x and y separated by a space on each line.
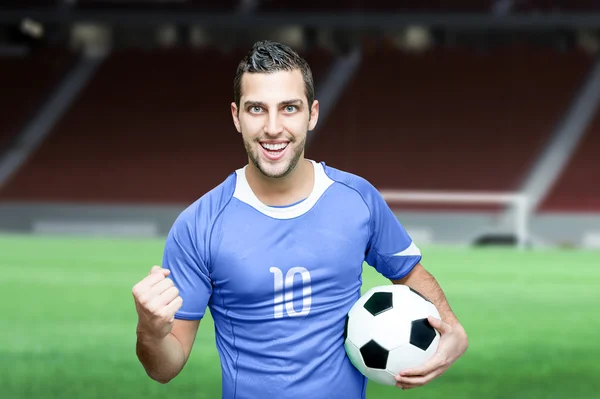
284 292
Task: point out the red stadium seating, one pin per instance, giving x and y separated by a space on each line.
155 127
378 5
13 4
26 80
151 127
453 119
577 189
323 5
207 5
563 6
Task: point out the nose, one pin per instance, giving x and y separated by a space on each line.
273 125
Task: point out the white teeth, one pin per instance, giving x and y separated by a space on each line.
274 147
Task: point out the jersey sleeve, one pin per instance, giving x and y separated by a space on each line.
185 256
390 250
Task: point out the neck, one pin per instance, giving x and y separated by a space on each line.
294 187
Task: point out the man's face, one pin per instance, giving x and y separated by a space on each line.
273 119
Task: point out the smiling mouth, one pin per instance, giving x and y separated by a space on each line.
274 151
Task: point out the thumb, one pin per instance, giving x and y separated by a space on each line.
158 269
438 324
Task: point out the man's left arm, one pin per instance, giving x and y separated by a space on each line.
453 340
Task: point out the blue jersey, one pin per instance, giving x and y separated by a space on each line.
279 281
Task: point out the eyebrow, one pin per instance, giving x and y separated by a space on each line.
296 101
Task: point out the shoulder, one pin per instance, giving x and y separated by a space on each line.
353 182
203 211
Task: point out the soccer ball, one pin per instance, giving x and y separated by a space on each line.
387 331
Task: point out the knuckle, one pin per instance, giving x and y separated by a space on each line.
144 298
153 308
165 315
135 290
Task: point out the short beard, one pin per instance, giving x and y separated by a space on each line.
254 158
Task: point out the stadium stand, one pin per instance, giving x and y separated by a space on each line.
562 6
165 116
204 5
450 119
378 5
151 127
13 4
32 76
577 189
323 5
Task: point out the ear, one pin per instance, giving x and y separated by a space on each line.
236 119
314 115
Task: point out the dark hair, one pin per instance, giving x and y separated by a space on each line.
266 57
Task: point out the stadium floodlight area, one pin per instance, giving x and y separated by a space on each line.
515 201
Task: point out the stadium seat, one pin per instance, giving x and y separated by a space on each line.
449 119
151 127
26 81
577 188
378 5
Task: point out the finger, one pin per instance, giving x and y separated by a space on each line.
141 287
439 325
405 387
156 269
149 281
157 303
174 306
413 382
424 369
169 295
161 286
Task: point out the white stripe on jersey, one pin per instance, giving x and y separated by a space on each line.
412 250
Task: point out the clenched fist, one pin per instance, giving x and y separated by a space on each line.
156 302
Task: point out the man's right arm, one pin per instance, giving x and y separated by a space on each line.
164 342
163 359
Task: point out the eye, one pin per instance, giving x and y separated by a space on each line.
291 108
255 109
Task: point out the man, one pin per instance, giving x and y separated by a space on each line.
276 253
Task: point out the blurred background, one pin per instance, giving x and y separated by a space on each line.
478 120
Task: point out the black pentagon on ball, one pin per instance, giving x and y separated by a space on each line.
422 334
379 303
346 327
374 355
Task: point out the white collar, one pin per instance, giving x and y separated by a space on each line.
244 193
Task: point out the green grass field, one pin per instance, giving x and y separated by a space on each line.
67 323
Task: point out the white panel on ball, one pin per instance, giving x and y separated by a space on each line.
360 327
354 355
391 329
416 306
408 356
383 377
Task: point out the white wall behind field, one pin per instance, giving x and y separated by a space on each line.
453 228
